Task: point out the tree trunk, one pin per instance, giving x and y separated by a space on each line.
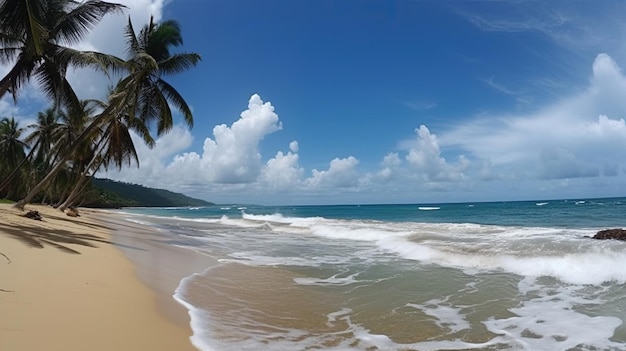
81 183
5 83
48 178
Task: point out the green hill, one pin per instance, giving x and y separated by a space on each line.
106 193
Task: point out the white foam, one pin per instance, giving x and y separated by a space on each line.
448 317
332 280
253 258
550 321
279 218
355 232
585 267
332 317
199 319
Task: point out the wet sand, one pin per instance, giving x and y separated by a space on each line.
65 285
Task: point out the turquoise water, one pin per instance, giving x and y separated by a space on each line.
485 276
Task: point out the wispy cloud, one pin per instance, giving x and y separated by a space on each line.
421 105
572 137
500 87
573 25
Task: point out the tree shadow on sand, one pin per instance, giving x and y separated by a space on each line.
38 237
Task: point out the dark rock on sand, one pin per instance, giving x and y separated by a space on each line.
33 215
72 212
617 234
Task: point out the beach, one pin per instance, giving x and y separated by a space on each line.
67 286
482 276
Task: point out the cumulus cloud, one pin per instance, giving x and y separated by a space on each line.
342 173
152 160
572 147
426 159
233 155
283 171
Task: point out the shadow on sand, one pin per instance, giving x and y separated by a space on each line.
38 237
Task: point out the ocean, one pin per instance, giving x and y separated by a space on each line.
460 276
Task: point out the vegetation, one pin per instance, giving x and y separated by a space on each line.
53 160
119 194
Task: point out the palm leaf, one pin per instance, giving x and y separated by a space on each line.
173 96
83 59
75 24
132 44
179 63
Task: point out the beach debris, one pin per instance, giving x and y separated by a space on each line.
616 234
9 261
33 215
71 212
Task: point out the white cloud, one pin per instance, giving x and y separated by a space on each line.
570 24
426 159
7 108
283 171
391 160
574 137
342 173
570 148
151 169
233 156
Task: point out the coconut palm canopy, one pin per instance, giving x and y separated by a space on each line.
36 38
74 139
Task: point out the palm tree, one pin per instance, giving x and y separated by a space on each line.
143 97
32 38
112 143
46 133
41 139
11 146
71 155
145 93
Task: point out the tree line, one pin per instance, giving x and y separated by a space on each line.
53 159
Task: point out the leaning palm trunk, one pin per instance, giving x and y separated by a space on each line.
80 185
76 192
57 167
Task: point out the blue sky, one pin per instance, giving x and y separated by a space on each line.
356 101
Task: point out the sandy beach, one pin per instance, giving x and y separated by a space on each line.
67 286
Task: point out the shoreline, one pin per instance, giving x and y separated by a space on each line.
70 283
158 263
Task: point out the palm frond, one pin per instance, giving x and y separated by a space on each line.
173 96
35 29
179 63
132 44
75 24
18 76
53 83
161 38
8 54
120 146
141 129
82 59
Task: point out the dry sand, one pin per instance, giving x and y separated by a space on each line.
66 287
